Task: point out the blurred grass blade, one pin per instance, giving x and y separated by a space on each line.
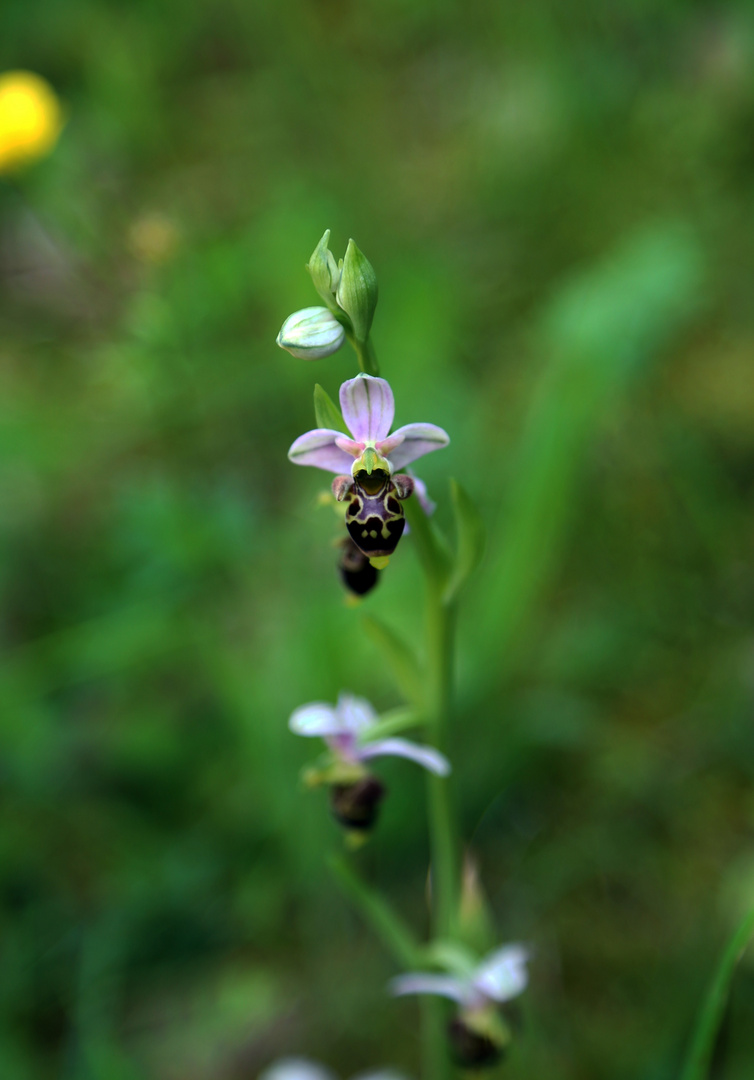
403 662
470 539
703 1043
326 411
599 333
391 930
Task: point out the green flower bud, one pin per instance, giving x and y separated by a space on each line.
311 334
357 291
324 271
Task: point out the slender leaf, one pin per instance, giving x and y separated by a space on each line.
703 1042
431 545
600 334
326 411
388 926
470 539
401 659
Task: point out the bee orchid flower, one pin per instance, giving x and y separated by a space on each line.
368 409
478 1033
365 462
302 1069
355 793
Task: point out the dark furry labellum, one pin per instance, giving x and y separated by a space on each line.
374 515
471 1049
356 572
357 805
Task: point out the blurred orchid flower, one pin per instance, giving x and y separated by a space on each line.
296 1069
345 728
301 1069
478 1034
368 409
499 977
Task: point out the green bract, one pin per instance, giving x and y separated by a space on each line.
357 291
324 271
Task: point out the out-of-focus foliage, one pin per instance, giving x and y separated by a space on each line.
557 199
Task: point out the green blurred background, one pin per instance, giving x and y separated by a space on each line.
558 199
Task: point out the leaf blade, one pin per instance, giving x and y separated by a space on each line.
400 657
327 413
471 539
700 1052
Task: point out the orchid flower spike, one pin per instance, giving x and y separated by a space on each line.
478 1034
345 727
301 1069
366 462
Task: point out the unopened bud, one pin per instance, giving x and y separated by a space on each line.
475 925
357 291
324 271
356 805
311 334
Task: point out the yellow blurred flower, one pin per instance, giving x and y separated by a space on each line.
31 119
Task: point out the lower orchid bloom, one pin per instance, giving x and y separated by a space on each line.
345 727
366 462
478 1033
301 1069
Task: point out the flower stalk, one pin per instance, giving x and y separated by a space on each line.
356 443
439 629
365 354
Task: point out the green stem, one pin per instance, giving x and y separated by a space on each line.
442 833
435 1063
440 625
366 355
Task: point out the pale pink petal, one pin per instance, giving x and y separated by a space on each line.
418 440
386 446
355 713
419 983
502 974
368 407
426 756
318 719
350 447
319 448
